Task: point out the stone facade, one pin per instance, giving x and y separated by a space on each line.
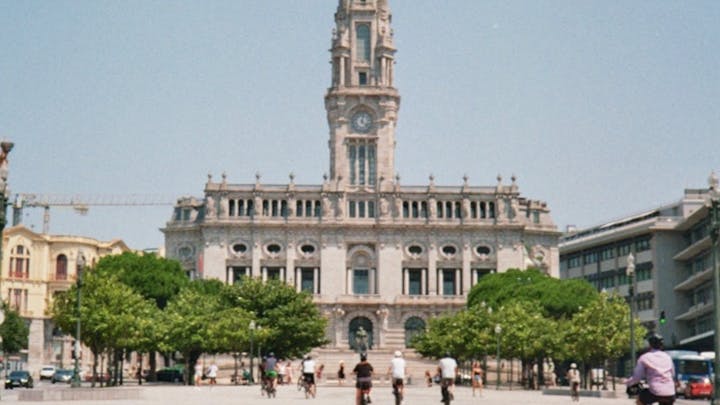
34 268
373 252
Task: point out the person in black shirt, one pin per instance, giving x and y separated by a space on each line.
363 371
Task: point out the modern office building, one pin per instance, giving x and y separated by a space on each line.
673 266
373 252
35 268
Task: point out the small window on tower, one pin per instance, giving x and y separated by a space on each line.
362 79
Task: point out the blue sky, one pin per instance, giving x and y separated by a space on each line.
601 108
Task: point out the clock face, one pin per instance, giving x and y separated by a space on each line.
361 122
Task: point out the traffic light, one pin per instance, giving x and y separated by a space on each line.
663 320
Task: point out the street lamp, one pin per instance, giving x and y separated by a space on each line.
714 233
252 354
498 331
76 350
630 271
5 148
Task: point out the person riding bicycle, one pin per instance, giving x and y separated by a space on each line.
447 368
271 370
573 377
657 369
308 374
397 372
363 372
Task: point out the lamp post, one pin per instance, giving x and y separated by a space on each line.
630 271
76 350
252 353
5 148
498 331
714 214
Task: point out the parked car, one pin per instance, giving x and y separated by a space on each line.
47 372
698 387
100 376
171 374
19 378
63 376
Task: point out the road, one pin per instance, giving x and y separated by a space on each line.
327 395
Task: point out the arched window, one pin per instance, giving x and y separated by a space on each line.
414 326
61 267
362 50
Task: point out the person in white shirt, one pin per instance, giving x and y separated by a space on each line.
448 371
397 372
308 371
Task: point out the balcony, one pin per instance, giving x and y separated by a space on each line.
695 311
695 280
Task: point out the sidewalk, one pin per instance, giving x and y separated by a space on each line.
329 395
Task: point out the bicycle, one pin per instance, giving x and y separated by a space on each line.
397 392
447 396
303 385
365 397
575 391
266 387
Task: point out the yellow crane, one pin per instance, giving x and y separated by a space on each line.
81 204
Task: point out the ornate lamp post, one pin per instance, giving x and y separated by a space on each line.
76 350
5 148
498 331
630 271
714 213
252 353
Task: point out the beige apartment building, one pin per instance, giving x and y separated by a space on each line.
34 268
374 253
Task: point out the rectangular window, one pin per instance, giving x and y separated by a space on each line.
372 165
448 281
371 209
352 210
308 208
307 280
414 282
273 273
362 79
299 208
361 165
352 157
480 273
642 244
361 209
317 208
624 249
239 274
361 281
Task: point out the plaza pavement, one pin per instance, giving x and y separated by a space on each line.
327 395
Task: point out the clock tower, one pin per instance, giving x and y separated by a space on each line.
362 102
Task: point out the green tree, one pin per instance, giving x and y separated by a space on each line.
112 315
557 298
601 331
290 321
14 331
151 276
198 321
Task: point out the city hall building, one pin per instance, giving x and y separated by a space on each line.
374 253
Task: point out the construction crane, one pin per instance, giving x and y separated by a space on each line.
81 204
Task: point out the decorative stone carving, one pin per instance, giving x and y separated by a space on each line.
210 208
223 206
384 207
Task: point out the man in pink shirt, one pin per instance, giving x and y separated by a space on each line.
657 369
